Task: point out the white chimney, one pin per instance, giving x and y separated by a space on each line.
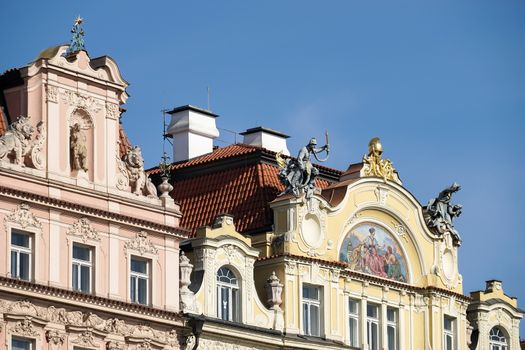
266 138
193 130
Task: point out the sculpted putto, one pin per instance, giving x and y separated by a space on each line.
15 142
132 167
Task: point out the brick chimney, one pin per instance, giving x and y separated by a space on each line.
193 130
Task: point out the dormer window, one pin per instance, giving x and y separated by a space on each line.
228 299
497 339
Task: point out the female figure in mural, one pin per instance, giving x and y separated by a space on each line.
373 262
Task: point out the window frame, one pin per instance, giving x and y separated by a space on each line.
449 333
356 318
498 344
139 275
394 325
32 342
80 263
21 250
370 322
310 303
233 295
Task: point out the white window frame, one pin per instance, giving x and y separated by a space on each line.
310 303
139 275
370 321
80 263
32 342
353 316
233 297
449 333
21 250
394 325
498 344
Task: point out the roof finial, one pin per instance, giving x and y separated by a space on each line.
77 40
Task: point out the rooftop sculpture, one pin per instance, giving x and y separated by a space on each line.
374 165
440 213
77 40
298 175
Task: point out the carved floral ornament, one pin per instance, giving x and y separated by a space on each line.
82 228
23 217
75 99
141 244
91 324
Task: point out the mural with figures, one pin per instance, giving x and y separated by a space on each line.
370 249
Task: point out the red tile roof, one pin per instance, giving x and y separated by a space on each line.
240 180
3 121
124 143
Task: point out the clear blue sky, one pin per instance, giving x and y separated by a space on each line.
441 82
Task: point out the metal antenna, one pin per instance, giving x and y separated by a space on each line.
208 88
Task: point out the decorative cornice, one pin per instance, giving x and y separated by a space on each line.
82 228
85 210
73 296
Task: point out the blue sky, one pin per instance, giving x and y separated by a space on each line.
441 82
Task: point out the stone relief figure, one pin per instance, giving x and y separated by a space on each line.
439 213
132 174
78 148
15 143
298 175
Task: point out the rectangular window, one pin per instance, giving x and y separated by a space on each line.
22 344
139 281
312 310
82 268
21 255
448 333
353 322
372 325
391 328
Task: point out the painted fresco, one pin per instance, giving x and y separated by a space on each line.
370 249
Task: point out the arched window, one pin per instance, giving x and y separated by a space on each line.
228 300
497 339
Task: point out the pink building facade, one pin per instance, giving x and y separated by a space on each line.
86 235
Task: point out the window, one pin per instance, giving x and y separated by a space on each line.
228 302
372 325
448 333
311 310
22 344
82 268
497 339
139 281
21 255
353 322
391 328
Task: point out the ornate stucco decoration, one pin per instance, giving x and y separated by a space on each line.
141 244
131 173
24 328
312 225
114 345
82 101
85 338
375 165
23 217
37 157
83 229
52 93
16 144
440 213
112 110
298 175
55 338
